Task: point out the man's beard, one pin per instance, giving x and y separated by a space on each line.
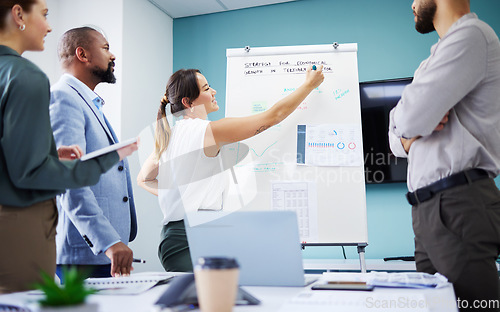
106 75
425 17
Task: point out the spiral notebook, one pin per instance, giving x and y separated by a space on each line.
128 285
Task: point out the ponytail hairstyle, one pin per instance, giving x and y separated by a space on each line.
182 84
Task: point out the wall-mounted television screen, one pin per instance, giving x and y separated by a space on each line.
377 100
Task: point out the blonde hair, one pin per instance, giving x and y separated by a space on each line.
162 130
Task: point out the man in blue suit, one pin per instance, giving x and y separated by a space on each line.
95 223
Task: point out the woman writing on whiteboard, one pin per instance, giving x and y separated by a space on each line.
190 150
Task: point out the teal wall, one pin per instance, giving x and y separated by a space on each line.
388 47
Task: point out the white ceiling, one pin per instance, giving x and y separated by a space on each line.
183 8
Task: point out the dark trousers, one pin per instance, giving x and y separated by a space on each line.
457 233
174 249
103 270
27 245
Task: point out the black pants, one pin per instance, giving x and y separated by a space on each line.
174 249
457 233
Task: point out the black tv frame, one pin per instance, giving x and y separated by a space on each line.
381 166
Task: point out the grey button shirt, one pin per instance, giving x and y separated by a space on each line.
462 75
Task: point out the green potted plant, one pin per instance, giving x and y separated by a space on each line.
67 297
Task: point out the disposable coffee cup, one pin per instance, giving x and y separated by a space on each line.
216 283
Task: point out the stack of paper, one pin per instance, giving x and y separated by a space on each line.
385 279
406 280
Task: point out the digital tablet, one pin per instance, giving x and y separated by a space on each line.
108 149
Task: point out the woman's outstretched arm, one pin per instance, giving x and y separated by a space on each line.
229 130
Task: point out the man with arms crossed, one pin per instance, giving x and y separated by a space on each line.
448 125
96 222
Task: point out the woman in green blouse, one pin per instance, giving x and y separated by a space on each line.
31 171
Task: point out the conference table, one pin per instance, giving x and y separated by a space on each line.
289 299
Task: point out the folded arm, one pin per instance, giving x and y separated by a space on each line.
449 75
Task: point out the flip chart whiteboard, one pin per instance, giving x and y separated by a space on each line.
312 162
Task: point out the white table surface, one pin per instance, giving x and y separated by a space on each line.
280 299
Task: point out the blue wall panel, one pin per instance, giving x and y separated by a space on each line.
388 47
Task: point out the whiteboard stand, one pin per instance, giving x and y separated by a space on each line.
361 251
266 74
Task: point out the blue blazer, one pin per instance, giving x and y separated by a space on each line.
90 218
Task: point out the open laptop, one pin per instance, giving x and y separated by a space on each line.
266 244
